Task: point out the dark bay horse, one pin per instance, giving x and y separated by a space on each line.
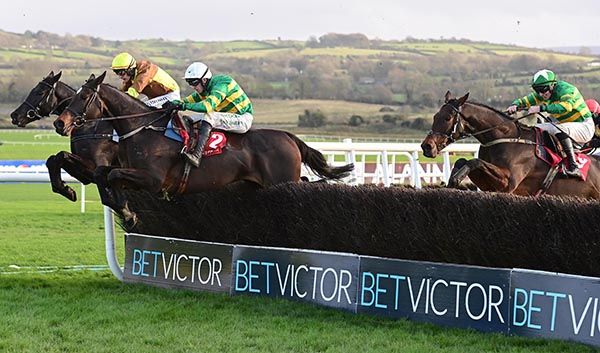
507 161
91 146
152 162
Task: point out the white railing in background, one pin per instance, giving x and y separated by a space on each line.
36 174
387 169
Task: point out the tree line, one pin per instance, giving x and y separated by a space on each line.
419 81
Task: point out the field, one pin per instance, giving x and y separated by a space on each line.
267 112
56 295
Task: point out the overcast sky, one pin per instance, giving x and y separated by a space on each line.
523 22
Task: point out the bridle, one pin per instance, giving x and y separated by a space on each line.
34 110
80 118
457 132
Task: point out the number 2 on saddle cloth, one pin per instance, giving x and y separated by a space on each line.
545 150
176 130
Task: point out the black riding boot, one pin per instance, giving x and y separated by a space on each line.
195 156
567 144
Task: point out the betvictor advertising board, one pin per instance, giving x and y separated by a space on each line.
177 263
511 301
452 295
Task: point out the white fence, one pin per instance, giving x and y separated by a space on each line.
379 163
36 173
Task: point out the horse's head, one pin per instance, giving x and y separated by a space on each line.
447 126
40 102
85 105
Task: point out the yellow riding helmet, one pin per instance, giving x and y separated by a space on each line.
123 61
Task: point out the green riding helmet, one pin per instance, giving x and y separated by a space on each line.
543 78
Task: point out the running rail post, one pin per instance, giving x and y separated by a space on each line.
109 235
82 198
447 167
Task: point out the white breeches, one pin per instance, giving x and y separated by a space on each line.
581 132
226 121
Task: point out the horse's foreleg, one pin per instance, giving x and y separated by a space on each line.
136 179
486 176
80 169
107 196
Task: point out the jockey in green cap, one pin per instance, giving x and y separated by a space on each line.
218 102
562 101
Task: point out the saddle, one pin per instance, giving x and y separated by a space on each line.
549 150
183 130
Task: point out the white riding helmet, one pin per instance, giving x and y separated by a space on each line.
197 70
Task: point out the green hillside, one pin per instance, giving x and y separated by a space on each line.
410 75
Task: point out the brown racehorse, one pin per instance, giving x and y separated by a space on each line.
91 146
503 165
152 162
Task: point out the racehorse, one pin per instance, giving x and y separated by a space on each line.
91 146
507 160
152 162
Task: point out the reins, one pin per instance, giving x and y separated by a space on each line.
80 119
491 143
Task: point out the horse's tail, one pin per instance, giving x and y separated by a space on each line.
317 162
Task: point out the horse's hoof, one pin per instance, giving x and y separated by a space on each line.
452 184
71 194
67 192
131 222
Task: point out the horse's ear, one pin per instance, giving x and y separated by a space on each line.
92 77
101 78
51 74
447 96
463 99
54 78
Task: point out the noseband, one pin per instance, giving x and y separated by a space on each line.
34 110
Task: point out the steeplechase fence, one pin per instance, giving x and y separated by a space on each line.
507 300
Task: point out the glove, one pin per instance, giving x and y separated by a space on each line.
174 105
132 92
512 109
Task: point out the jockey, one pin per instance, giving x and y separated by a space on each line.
218 102
146 78
563 102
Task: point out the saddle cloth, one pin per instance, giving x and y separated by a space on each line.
180 129
548 150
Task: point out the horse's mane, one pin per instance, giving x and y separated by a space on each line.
501 113
66 86
129 98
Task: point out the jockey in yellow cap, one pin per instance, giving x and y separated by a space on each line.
145 78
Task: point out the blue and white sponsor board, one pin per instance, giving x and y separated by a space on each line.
324 278
554 305
511 301
177 263
451 295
